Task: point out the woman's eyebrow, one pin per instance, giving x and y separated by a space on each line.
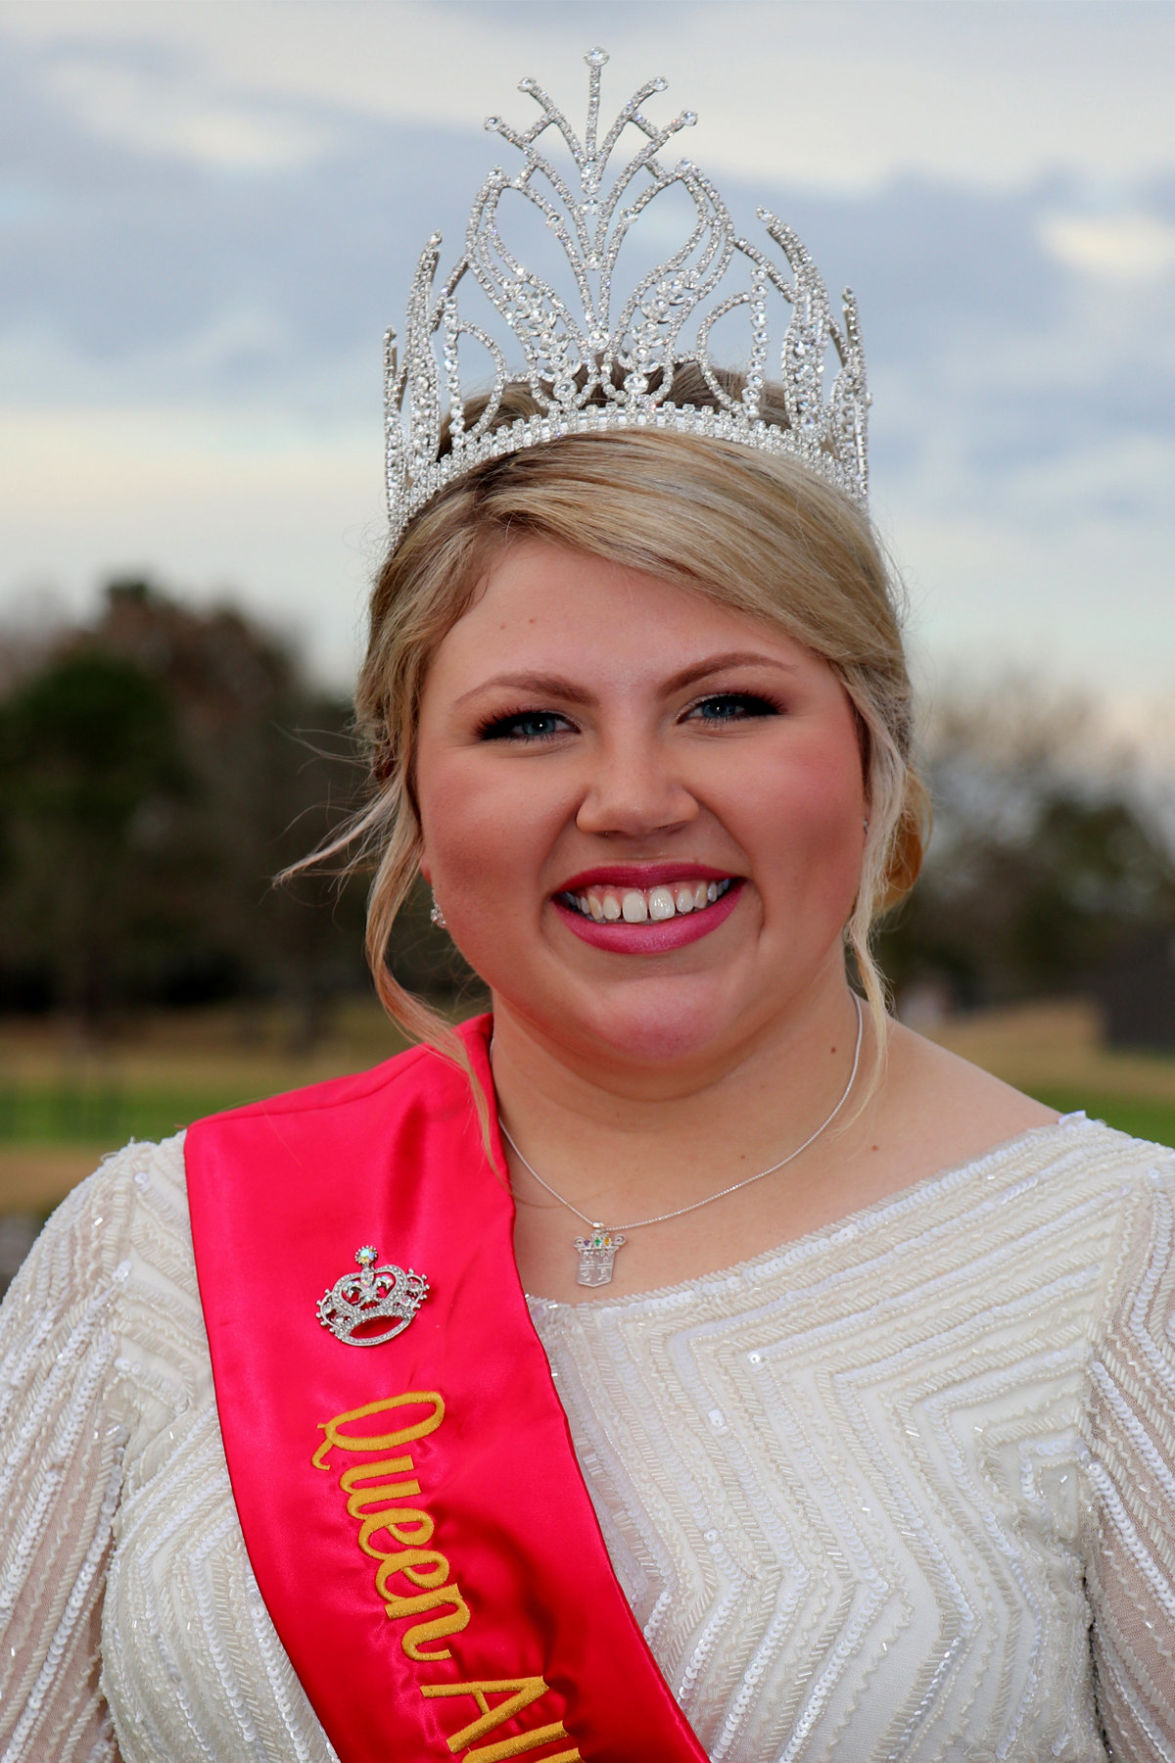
543 685
554 685
729 658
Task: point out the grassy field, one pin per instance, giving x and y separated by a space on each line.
62 1106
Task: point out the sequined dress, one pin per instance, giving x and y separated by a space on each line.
903 1489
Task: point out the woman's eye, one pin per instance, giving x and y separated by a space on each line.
524 725
732 707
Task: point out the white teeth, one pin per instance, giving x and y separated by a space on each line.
638 906
661 904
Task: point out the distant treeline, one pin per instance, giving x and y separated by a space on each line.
160 766
1051 868
157 769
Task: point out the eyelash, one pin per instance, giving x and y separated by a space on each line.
508 725
748 705
504 726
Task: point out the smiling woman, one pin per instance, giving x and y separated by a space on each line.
657 753
743 1376
780 553
590 728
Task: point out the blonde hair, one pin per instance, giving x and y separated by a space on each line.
752 531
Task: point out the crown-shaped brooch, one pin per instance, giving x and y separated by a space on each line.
593 357
359 1302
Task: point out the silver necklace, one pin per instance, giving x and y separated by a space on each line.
597 1252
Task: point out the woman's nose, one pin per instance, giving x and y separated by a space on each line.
633 788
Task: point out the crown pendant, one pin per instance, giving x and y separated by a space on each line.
375 1294
597 1255
595 358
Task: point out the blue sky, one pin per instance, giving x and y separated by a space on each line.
211 212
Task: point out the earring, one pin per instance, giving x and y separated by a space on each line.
865 824
436 916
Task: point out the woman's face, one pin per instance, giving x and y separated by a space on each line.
642 812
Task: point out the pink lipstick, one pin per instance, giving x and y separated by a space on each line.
637 921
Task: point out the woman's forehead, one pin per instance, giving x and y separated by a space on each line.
543 608
533 580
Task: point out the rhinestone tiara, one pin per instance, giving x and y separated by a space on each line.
594 358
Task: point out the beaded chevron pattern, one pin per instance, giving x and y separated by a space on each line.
596 358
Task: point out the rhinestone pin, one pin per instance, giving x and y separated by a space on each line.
358 1301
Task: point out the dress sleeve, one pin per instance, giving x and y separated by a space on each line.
64 1427
1130 1434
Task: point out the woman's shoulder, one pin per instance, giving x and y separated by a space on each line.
113 1268
139 1167
135 1191
953 1103
955 1113
1133 1180
1107 1199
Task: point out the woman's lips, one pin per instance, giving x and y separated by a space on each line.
642 875
667 925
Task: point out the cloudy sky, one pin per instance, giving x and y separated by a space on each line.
211 212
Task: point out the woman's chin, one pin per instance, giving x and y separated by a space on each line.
663 1033
657 1044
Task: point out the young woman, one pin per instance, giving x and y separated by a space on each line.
839 1418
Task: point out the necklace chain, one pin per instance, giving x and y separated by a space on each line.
696 1205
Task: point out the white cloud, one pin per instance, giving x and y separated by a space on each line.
1133 247
1089 601
141 108
839 94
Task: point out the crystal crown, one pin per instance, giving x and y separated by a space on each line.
594 358
359 1302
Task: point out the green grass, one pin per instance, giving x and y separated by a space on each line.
1144 1117
77 1114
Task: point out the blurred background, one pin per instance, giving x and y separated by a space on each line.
211 212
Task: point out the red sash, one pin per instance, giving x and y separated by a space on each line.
413 1511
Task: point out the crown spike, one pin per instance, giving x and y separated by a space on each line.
596 60
608 360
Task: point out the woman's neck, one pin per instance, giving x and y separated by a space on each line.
620 1143
624 1157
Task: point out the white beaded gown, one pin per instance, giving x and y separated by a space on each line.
904 1489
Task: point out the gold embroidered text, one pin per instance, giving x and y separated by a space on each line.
408 1528
397 1536
519 1693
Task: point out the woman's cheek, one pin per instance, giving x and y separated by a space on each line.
449 815
474 832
